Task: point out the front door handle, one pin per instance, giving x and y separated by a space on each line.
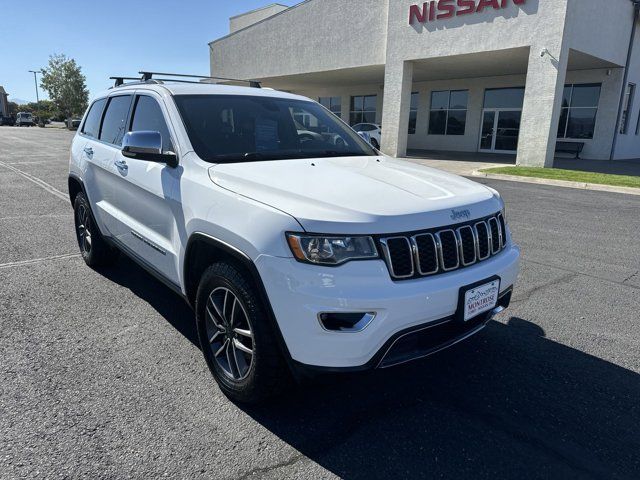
88 151
121 164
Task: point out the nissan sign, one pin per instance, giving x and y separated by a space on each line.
443 9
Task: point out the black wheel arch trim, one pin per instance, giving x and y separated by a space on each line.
75 178
246 261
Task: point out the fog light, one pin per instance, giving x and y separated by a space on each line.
345 322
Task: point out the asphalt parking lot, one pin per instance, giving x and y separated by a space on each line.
101 375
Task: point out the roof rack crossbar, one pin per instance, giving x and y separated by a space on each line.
149 75
119 81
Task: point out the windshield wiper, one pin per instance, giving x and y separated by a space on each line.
338 153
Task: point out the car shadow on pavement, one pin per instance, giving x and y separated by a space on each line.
508 403
167 303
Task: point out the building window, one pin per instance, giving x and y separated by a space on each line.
626 111
638 125
332 103
363 109
579 111
448 112
413 113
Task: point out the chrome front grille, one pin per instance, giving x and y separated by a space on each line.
444 250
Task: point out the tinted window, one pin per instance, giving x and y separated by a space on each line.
579 111
115 119
332 103
363 109
92 123
504 98
236 128
448 112
147 116
413 112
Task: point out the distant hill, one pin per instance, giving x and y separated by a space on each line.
19 101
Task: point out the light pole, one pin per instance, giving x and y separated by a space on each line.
35 81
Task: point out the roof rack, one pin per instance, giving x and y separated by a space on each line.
119 81
146 76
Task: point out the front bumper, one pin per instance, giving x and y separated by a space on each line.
298 293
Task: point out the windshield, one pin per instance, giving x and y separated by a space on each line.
236 128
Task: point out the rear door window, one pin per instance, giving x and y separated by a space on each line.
115 120
147 116
92 123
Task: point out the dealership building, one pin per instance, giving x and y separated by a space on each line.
525 77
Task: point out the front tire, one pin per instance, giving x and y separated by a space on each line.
94 249
235 336
375 144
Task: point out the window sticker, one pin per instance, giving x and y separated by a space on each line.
267 138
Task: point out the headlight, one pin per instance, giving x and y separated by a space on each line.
323 250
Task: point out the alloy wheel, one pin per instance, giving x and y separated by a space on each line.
84 229
229 333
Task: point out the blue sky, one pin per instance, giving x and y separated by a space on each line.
108 38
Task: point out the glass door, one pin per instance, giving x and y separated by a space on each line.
500 130
507 131
487 136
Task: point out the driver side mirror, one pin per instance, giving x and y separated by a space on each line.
147 145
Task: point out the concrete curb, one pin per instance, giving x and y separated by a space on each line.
559 183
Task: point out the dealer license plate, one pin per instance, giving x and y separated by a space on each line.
481 299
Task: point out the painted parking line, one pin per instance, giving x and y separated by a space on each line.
41 183
37 260
46 215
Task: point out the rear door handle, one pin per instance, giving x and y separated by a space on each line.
88 151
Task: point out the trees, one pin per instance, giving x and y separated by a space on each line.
14 108
64 82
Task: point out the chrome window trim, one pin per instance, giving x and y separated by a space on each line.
461 245
387 256
493 250
440 254
489 243
414 242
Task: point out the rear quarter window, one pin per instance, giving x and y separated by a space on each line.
91 126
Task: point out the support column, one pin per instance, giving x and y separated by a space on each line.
398 80
345 108
542 107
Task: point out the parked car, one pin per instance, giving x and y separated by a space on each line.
7 120
298 255
73 123
374 131
24 119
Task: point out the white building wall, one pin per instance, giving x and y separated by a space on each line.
469 142
628 146
314 36
243 21
600 28
597 148
333 36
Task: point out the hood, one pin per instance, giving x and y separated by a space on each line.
359 195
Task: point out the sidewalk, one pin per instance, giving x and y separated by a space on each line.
470 164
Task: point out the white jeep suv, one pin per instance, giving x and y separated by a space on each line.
298 253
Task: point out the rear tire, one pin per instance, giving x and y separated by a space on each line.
375 144
95 250
236 337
